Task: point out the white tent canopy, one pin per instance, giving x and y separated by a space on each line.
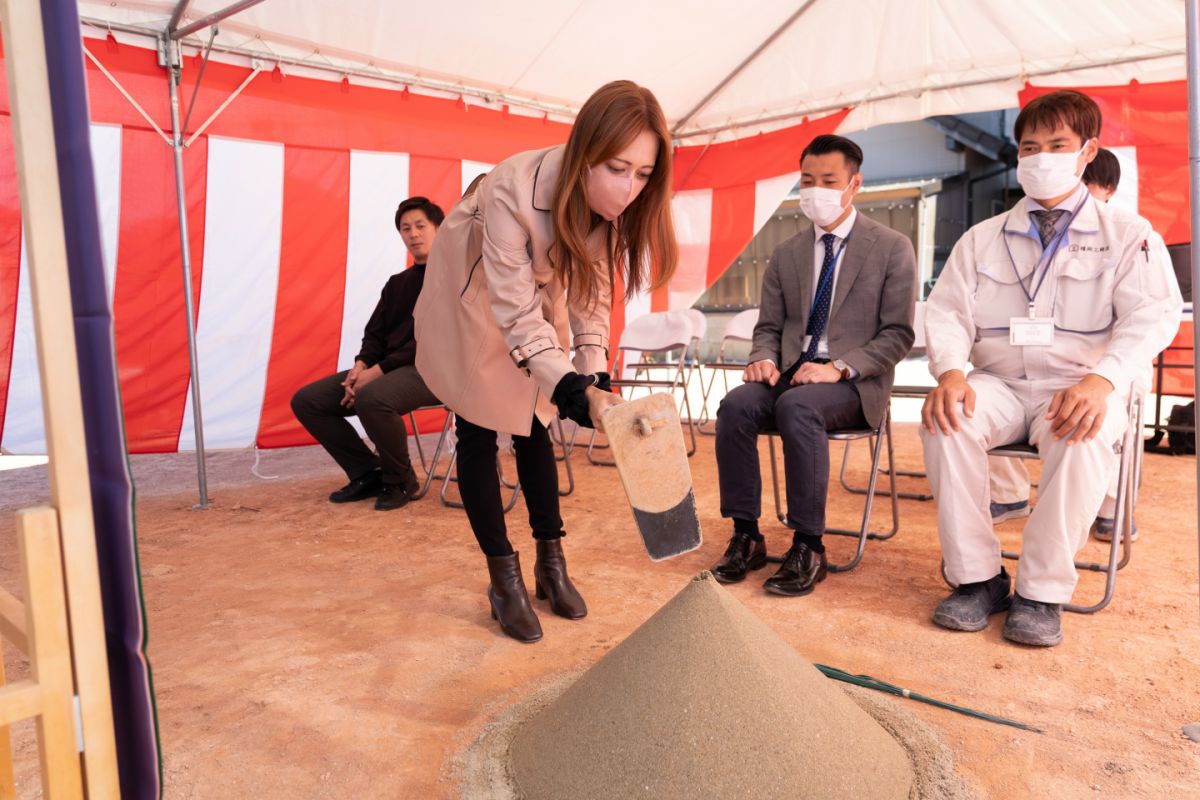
719 70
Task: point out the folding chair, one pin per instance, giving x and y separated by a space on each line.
1129 473
915 392
875 436
739 329
430 466
659 333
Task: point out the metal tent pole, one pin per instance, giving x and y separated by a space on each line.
174 64
1193 90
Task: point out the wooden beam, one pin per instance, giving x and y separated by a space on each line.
12 621
45 244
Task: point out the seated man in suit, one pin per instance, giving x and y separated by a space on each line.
836 316
382 386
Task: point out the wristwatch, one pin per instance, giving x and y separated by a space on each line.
842 367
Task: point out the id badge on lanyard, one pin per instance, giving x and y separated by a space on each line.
1032 330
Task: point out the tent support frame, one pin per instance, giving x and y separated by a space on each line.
1193 90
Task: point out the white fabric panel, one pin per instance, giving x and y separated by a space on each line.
692 212
239 278
374 251
471 170
1126 195
106 163
638 305
24 432
769 194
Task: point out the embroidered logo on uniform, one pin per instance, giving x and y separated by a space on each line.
1083 248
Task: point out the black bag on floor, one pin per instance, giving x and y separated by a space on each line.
1182 442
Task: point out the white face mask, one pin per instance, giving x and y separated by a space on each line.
823 206
1047 175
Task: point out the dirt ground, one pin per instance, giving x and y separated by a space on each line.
302 649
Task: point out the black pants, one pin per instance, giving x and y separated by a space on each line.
381 405
480 484
802 415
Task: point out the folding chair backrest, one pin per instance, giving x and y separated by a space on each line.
658 332
741 327
699 323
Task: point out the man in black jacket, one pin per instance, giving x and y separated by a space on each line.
382 386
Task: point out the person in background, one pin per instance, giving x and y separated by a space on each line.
836 316
1054 306
382 386
1009 478
522 272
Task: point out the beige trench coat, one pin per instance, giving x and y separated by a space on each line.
491 298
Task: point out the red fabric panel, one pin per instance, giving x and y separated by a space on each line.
310 112
312 279
10 255
1179 382
439 179
148 311
732 227
743 161
1153 118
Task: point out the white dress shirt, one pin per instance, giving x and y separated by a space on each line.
839 237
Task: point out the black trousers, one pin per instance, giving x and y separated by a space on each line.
381 405
479 484
802 415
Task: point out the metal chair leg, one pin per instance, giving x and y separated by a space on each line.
508 506
431 469
565 458
863 533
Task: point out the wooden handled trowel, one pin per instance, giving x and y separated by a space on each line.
647 444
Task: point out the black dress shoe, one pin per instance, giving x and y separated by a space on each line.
802 569
742 555
360 488
391 497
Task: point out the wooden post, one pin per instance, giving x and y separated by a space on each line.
49 651
8 785
45 244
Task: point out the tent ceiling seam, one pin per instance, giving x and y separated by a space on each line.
917 91
746 62
368 70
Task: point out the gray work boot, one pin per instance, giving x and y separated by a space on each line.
1105 527
1006 511
1033 623
969 607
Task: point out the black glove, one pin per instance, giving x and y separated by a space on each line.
570 395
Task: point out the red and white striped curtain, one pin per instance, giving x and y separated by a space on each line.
291 194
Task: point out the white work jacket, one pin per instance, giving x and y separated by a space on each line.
1110 290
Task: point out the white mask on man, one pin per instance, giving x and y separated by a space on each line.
823 206
1047 175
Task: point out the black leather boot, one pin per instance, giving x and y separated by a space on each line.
510 601
550 577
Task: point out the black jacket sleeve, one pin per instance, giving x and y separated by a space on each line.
374 343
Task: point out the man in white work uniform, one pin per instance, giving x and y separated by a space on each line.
1051 305
1009 478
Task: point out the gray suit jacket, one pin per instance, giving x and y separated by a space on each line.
870 320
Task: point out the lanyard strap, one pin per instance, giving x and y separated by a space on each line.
1045 261
828 278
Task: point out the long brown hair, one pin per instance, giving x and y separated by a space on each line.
644 246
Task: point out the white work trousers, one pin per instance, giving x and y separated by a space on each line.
1073 484
1010 484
